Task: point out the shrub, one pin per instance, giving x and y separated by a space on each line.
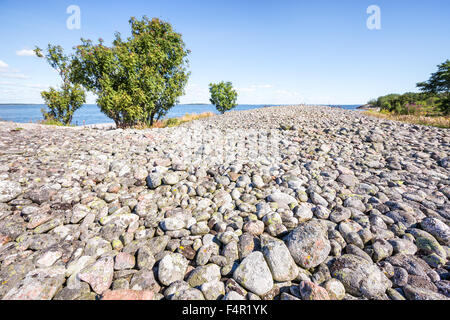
62 102
223 96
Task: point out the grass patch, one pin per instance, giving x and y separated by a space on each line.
173 122
166 123
439 121
51 122
54 122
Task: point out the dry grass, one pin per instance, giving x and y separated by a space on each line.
190 117
435 121
173 122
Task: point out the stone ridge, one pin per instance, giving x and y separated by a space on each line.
290 203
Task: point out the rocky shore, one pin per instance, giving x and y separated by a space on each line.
288 203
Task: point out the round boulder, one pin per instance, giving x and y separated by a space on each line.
309 244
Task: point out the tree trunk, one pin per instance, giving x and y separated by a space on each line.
117 122
152 117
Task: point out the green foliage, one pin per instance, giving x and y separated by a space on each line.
444 105
51 122
439 81
433 100
172 122
439 84
64 101
139 79
408 103
223 96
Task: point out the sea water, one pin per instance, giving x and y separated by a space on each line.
91 114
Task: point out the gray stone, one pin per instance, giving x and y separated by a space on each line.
303 212
9 190
189 294
172 268
280 261
282 199
38 284
99 275
348 180
309 244
153 180
253 273
203 274
233 296
170 179
213 290
360 277
414 293
311 291
437 228
335 289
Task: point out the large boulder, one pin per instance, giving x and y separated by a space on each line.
9 190
127 294
437 228
360 277
280 261
172 268
99 275
254 274
282 199
204 274
416 293
309 244
38 284
311 291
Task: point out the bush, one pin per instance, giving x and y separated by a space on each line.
62 102
409 103
50 121
172 122
444 105
223 96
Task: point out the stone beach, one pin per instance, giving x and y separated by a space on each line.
284 203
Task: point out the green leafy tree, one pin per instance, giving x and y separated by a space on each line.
158 45
64 101
223 96
139 79
439 83
109 72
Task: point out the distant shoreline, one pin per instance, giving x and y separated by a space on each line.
21 104
195 104
91 113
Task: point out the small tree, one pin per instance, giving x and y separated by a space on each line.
62 102
223 96
439 83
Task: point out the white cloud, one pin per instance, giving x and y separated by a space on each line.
36 86
261 86
254 87
9 73
195 94
12 75
25 53
20 92
239 90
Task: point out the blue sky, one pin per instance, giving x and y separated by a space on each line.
273 51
